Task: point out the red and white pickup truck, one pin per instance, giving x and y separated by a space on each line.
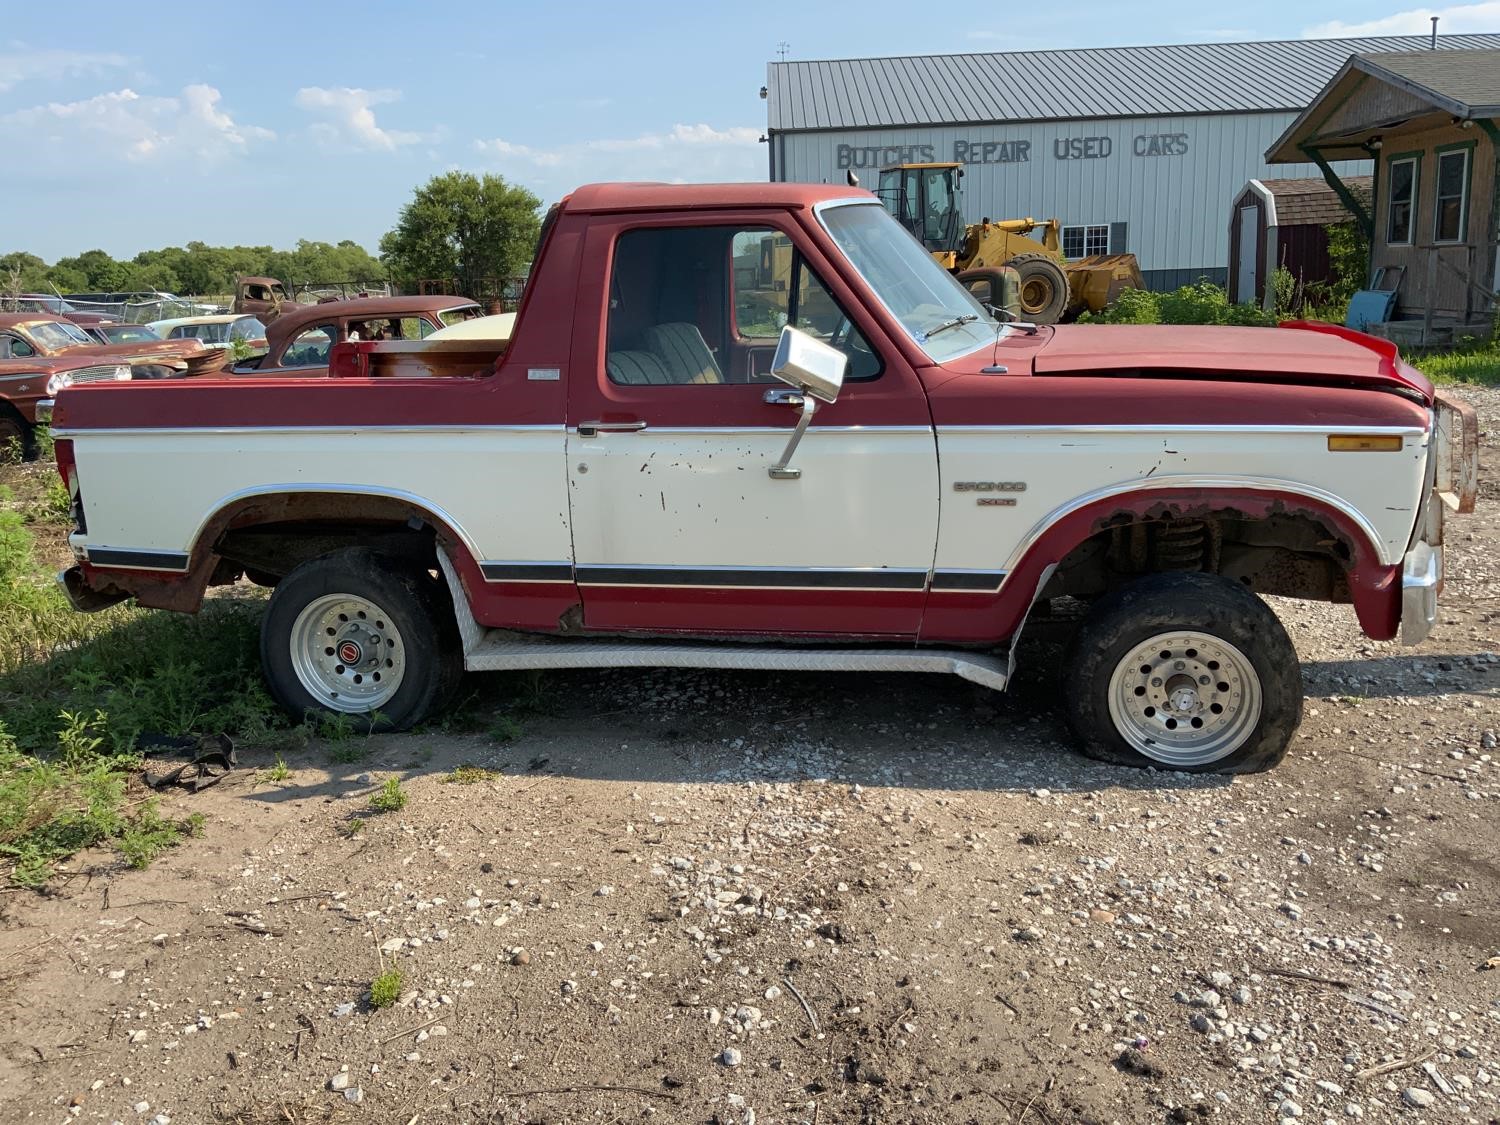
622 483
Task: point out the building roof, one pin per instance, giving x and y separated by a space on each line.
1466 82
1311 202
1189 78
1431 88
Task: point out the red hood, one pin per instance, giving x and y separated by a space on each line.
1304 352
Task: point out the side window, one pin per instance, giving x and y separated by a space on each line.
310 347
1450 216
1403 191
17 348
774 286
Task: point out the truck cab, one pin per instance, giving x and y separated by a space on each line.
757 426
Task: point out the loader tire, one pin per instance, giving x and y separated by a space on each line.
1044 287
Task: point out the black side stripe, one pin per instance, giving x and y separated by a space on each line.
526 572
793 578
970 580
143 560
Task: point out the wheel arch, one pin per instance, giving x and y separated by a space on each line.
1373 583
256 526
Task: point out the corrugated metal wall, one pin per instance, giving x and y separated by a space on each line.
1175 207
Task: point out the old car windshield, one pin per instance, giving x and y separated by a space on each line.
939 313
57 334
458 315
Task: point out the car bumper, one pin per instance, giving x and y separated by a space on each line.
1421 579
83 597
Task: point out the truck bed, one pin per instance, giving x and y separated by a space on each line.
415 359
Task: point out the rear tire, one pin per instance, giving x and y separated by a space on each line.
361 634
1183 671
1044 287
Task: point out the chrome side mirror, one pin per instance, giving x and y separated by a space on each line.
814 371
809 365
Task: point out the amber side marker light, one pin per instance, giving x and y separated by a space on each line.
1364 443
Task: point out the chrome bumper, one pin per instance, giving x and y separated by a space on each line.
1421 578
81 596
44 411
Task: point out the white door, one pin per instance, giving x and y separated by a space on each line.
1247 280
677 524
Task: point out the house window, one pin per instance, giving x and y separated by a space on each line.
1450 217
1403 195
1084 241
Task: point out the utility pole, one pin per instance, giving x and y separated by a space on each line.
784 48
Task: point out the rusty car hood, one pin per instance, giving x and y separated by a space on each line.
199 359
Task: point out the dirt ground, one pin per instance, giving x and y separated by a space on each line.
734 898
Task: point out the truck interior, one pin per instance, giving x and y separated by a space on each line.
705 305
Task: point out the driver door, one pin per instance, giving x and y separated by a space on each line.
674 422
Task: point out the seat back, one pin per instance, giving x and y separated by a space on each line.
635 369
683 353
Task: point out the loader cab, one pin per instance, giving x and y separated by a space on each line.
927 199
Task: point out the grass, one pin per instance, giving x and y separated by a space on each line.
390 797
77 691
385 989
470 775
504 729
278 774
1475 365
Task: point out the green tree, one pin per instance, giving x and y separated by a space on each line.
101 272
32 271
465 227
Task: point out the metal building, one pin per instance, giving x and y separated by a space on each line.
1136 149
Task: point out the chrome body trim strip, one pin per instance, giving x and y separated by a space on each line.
506 571
959 581
1168 428
780 431
460 428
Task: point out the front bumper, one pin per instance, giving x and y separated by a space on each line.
1421 579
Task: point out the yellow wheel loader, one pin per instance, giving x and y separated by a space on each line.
927 199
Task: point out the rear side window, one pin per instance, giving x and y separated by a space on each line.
311 346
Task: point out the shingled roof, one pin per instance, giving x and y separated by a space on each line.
1311 202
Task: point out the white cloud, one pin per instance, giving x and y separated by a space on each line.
683 153
21 63
1456 20
139 127
350 119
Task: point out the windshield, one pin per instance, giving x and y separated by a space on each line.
57 334
927 300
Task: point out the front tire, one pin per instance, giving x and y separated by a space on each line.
361 634
1184 671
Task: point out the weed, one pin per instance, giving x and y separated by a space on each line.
12 452
504 729
385 989
347 753
353 827
390 798
336 726
533 695
278 773
41 441
149 834
53 506
471 775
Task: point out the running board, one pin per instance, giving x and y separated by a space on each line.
501 651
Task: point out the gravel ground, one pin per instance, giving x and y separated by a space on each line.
735 898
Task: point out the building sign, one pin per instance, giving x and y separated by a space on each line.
1008 152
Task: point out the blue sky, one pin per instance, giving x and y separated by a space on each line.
145 126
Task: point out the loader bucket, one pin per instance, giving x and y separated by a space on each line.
1097 280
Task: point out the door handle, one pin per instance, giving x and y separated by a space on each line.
589 429
784 396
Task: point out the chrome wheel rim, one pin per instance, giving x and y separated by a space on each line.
1185 698
348 653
